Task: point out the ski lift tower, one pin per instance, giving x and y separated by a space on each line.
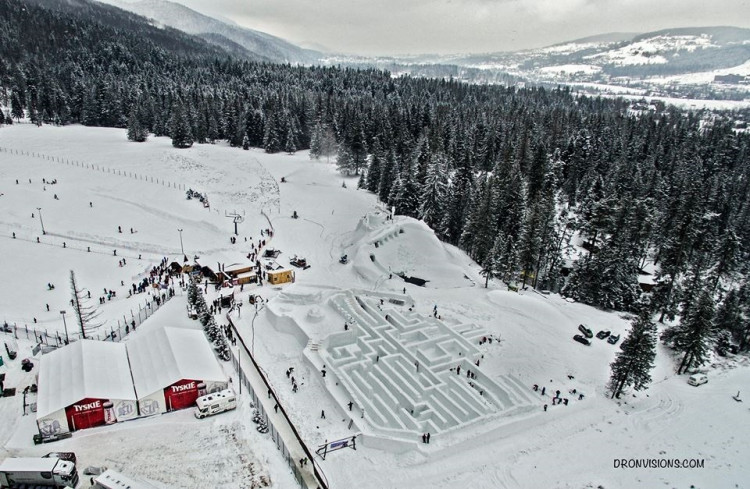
236 219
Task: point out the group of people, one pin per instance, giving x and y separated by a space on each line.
556 399
291 378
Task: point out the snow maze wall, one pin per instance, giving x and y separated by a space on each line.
400 367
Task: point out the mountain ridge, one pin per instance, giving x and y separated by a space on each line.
258 45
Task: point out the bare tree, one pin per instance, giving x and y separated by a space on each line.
85 313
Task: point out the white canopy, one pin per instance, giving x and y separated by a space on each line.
164 356
83 369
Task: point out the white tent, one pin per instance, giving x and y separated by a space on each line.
84 384
169 365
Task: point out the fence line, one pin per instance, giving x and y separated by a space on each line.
91 166
123 173
124 326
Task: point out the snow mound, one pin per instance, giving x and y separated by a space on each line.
404 247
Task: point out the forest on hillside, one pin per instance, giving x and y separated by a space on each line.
506 174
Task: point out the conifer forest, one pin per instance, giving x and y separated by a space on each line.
507 174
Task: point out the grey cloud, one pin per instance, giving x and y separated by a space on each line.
445 26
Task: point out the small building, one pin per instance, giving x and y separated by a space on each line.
84 384
237 269
245 278
276 277
171 367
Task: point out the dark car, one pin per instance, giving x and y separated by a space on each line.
586 331
69 456
581 339
38 438
603 334
613 339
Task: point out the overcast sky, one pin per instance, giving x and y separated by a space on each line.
460 26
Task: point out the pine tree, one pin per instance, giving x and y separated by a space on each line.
491 266
16 107
179 127
635 360
407 198
695 334
608 279
136 131
85 314
316 141
344 161
433 193
289 145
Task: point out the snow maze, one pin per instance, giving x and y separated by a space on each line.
401 368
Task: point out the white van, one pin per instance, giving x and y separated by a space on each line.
697 379
215 403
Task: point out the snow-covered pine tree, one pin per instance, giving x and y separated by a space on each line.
635 360
290 146
179 127
16 107
407 198
345 161
316 141
136 131
695 335
389 172
432 199
608 278
490 266
272 135
479 232
457 205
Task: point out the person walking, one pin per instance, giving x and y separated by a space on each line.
322 414
350 405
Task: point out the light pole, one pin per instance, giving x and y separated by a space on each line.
239 365
181 247
67 342
40 220
252 324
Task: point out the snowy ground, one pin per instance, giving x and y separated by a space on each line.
568 446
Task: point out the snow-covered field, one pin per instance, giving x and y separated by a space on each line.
507 442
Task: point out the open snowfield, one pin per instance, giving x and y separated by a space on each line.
500 438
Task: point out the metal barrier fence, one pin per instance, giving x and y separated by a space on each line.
320 478
124 326
271 428
103 169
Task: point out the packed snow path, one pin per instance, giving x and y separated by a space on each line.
279 420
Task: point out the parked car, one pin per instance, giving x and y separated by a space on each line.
38 438
581 339
586 331
603 334
613 339
697 379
